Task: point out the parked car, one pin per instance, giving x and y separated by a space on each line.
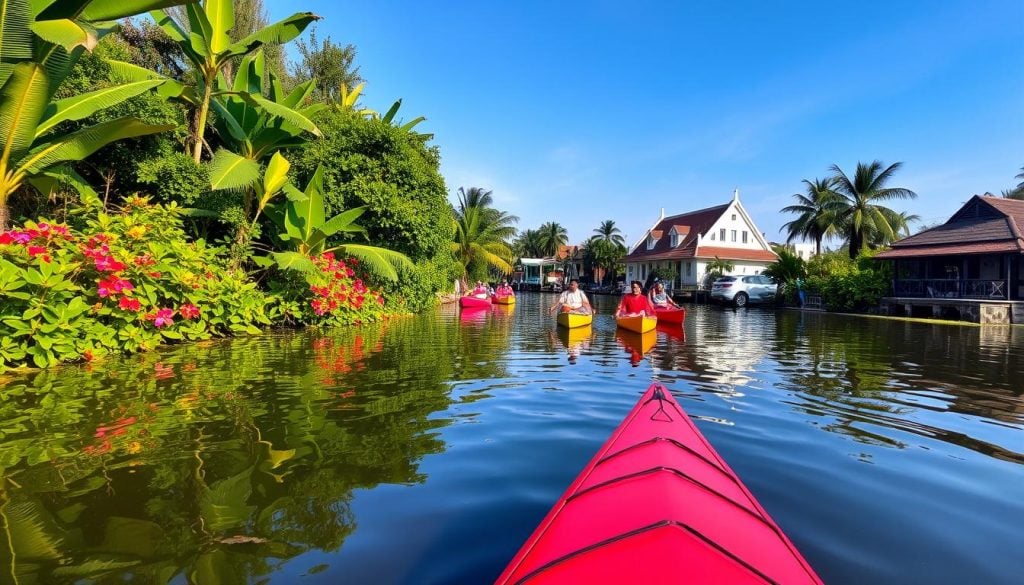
741 290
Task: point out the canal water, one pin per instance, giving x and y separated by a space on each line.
424 450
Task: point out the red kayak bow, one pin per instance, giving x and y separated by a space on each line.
657 504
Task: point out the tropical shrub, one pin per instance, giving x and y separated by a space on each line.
120 282
332 293
848 285
394 173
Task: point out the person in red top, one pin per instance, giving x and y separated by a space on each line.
635 302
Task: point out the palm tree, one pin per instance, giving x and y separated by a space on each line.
1020 175
900 223
527 244
817 213
552 236
607 232
482 234
859 213
717 268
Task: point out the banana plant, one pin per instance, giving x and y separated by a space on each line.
307 230
207 45
349 98
40 41
256 118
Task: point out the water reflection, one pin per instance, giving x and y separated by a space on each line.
575 340
232 461
636 344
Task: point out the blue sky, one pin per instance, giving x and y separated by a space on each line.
578 112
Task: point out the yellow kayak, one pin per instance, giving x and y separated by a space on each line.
638 324
574 319
505 300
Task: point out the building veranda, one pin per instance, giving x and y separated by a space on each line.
968 268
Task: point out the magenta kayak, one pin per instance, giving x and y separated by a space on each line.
657 504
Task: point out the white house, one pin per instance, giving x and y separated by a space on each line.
687 242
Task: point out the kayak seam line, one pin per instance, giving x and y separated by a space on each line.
674 442
641 530
675 471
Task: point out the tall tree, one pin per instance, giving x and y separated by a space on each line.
330 64
900 223
552 236
482 234
816 209
608 232
1020 175
859 211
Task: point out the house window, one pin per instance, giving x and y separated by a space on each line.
712 236
673 240
650 242
733 235
744 236
734 217
721 234
689 268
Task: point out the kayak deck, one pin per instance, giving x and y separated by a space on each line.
657 504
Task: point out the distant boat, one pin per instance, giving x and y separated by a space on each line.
474 302
574 319
637 324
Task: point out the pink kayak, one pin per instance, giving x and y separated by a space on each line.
474 302
657 504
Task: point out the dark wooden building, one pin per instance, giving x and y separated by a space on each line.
972 264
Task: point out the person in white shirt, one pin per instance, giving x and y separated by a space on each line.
573 300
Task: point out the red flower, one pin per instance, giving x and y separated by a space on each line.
113 285
130 304
107 264
189 311
87 355
34 251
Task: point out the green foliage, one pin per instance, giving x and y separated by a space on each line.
717 268
786 271
126 282
389 171
481 238
417 286
174 178
848 285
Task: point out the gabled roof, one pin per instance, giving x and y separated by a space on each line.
698 222
984 225
690 226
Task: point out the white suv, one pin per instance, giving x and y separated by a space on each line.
744 289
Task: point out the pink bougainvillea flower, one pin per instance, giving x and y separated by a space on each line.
107 264
163 318
130 304
189 311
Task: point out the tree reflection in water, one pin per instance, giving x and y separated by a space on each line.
219 461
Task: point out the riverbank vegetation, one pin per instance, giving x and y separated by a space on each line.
172 178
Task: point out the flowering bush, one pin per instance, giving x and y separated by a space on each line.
126 281
332 294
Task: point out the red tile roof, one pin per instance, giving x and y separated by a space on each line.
984 225
689 226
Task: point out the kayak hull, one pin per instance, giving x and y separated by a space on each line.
657 505
671 315
574 320
473 302
638 324
505 300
